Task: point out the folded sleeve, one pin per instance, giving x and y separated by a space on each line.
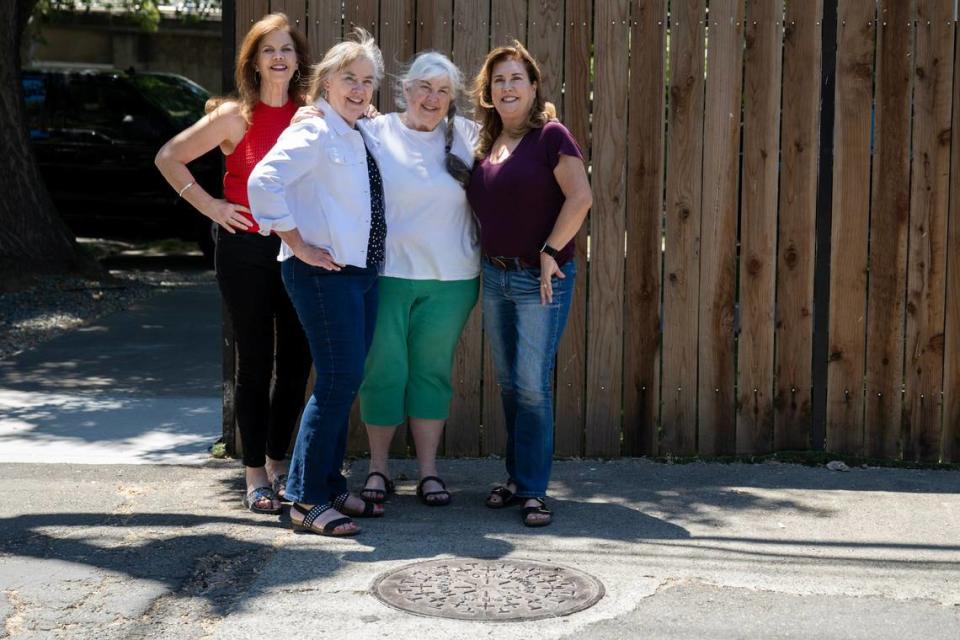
557 141
296 152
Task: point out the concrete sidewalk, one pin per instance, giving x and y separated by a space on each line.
136 387
684 551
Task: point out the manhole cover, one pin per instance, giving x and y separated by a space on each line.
488 589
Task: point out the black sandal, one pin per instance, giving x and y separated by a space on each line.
369 508
251 499
380 495
329 529
426 497
540 509
506 496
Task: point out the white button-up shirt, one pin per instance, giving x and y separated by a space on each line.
315 179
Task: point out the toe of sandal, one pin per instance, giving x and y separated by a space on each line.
433 498
258 495
377 496
506 497
539 510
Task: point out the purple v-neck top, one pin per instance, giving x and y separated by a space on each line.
518 200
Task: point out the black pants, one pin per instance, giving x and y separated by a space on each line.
270 344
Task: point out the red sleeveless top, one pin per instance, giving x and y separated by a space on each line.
267 123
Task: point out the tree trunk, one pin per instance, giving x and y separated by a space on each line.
33 238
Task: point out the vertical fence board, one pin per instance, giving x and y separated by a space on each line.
545 42
325 28
682 255
889 220
799 152
508 22
571 357
296 10
950 443
246 14
928 228
434 20
718 255
362 13
758 224
397 35
605 302
645 172
470 37
851 199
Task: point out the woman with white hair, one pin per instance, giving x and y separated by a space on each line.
431 270
320 190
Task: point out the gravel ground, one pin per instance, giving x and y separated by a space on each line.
52 305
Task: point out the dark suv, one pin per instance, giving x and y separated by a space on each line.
95 133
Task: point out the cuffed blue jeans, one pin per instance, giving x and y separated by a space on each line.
523 336
338 311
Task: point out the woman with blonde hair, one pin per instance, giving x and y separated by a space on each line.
530 193
271 71
320 190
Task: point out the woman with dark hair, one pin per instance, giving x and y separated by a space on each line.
530 193
271 71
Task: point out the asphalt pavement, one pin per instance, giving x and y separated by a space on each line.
115 523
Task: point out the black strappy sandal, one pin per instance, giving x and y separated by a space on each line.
425 497
540 509
380 495
506 496
329 529
369 508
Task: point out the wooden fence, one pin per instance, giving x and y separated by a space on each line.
771 259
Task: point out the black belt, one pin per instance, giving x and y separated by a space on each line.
506 263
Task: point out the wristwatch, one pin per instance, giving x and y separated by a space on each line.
550 251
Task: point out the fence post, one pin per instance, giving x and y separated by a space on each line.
821 278
228 354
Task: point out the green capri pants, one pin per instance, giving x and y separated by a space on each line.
407 372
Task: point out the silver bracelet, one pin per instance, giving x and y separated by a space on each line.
180 193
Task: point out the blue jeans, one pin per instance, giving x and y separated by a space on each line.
524 336
337 311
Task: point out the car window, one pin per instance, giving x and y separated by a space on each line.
108 107
180 98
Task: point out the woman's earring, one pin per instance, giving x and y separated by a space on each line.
296 76
256 76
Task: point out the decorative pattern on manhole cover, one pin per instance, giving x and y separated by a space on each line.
488 589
